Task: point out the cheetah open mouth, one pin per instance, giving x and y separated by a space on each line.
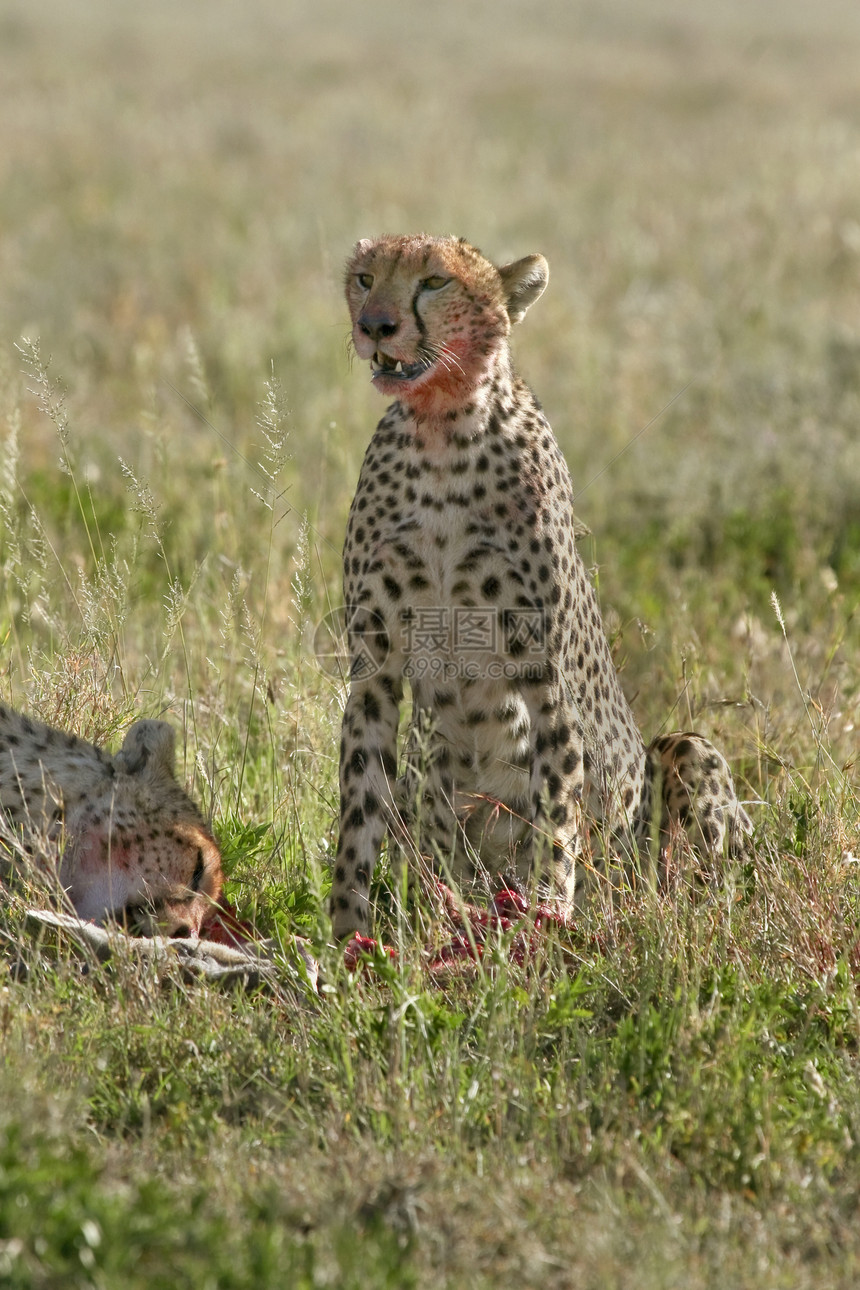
395 368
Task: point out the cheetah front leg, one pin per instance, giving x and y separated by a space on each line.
556 790
368 765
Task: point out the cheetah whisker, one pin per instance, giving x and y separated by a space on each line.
447 359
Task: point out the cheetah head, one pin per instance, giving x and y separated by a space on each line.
140 851
163 881
432 313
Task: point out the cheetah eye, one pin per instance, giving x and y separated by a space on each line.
435 283
364 280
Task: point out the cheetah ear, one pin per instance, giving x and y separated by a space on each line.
523 282
147 743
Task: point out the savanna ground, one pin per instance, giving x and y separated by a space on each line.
673 1099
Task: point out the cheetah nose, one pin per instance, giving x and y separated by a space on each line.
377 326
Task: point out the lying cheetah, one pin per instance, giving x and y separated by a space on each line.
118 833
461 575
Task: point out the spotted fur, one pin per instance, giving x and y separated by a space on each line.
461 575
117 833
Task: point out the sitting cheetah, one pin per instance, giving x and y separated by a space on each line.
118 833
461 575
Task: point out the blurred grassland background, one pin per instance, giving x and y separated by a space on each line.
180 185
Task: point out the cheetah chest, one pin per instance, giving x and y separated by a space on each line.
448 590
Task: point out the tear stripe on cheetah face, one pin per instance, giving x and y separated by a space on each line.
462 522
118 832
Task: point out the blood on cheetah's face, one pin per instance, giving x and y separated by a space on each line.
430 314
164 883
